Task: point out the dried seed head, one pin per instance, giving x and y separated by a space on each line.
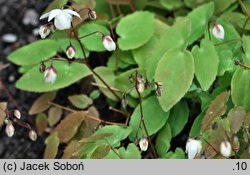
42 68
32 135
143 144
10 130
92 14
159 91
70 51
17 114
44 31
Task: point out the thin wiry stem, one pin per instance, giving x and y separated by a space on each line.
142 122
244 27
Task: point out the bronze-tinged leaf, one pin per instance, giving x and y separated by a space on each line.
3 106
69 126
217 108
94 138
100 152
3 66
70 150
80 101
247 120
54 115
52 143
42 103
41 123
210 152
245 155
236 117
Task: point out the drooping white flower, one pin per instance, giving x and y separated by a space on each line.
44 31
63 18
140 87
32 135
225 149
50 75
143 144
108 43
10 130
70 51
17 114
218 32
193 148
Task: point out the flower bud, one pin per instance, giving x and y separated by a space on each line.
236 143
92 14
143 144
50 75
136 140
108 43
140 87
10 130
44 31
193 148
124 102
17 114
218 32
32 135
42 68
225 149
70 51
159 91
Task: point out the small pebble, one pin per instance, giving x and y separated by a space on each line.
9 38
30 17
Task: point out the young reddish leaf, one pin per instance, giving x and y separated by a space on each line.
52 143
42 103
55 115
41 122
236 117
80 101
100 152
70 150
216 108
3 106
247 120
69 126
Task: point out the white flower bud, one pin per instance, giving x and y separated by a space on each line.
218 31
225 149
63 18
10 130
70 51
44 31
92 14
140 87
108 43
143 144
32 135
193 148
17 114
50 75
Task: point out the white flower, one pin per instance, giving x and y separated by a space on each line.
143 144
17 114
108 43
63 18
10 130
70 51
50 75
218 31
193 148
32 135
44 31
225 149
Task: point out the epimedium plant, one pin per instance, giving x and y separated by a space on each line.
170 67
